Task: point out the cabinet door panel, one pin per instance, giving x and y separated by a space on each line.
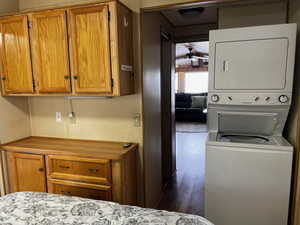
27 172
15 55
91 51
51 52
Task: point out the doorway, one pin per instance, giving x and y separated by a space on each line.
175 134
184 190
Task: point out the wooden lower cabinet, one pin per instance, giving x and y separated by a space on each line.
27 172
107 172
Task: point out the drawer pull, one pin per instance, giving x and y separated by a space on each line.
93 170
64 167
41 169
66 192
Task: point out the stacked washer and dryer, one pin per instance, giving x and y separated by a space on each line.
248 162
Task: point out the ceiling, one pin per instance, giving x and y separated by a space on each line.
209 15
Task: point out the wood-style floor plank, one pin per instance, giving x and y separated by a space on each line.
185 192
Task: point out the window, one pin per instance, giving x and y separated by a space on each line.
196 82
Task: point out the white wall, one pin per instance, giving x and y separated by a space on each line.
14 119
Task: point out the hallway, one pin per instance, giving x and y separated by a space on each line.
185 193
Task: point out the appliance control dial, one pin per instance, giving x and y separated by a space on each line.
283 98
215 98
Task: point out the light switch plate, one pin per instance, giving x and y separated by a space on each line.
137 119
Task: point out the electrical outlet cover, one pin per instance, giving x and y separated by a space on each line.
58 117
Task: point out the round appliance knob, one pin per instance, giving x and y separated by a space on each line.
215 98
283 98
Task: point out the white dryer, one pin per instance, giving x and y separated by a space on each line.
248 162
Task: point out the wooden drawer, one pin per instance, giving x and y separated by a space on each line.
79 169
92 191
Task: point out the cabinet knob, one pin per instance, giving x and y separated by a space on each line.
76 77
3 78
41 169
67 77
64 167
92 170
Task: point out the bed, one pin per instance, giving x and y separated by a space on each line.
32 208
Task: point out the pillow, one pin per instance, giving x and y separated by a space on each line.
199 102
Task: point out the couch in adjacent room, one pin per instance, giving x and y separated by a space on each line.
190 107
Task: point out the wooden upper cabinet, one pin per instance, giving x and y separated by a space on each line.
27 172
51 52
15 54
91 64
84 50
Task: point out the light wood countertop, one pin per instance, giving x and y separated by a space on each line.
75 147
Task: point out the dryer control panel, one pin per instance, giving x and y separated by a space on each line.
249 99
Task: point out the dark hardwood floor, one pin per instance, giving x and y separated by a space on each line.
185 192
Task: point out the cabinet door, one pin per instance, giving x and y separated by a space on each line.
27 172
15 55
51 52
90 49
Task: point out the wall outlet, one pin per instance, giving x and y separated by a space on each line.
58 117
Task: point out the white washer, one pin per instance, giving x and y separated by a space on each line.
248 162
248 178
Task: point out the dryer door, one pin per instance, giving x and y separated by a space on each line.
251 65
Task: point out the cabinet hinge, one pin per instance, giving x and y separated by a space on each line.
112 82
108 15
35 83
29 24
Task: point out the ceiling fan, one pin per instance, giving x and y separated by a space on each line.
194 57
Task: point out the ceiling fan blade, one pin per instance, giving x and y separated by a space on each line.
181 56
200 57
